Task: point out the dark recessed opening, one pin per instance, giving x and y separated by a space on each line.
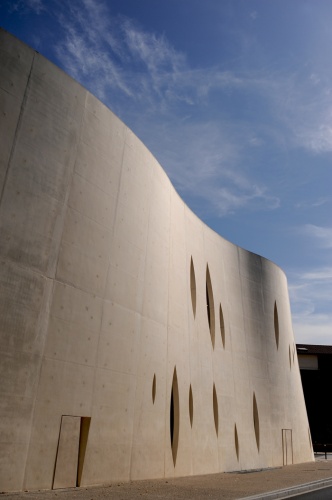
193 286
309 434
222 326
215 410
236 439
276 324
84 434
174 417
154 387
256 421
191 406
210 306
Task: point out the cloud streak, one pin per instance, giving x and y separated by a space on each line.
153 88
311 298
233 141
322 235
119 61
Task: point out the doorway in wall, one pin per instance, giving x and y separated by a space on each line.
69 461
287 446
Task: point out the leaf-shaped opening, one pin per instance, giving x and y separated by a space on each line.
154 387
276 324
222 326
236 440
210 306
193 286
256 420
191 406
174 417
215 410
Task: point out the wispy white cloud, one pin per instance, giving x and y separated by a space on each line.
121 62
144 66
304 106
201 157
314 78
311 299
322 235
313 330
171 105
318 139
122 55
87 53
154 51
319 275
36 6
204 161
313 203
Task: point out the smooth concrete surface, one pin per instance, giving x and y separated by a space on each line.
120 308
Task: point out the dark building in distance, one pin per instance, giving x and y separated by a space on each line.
315 362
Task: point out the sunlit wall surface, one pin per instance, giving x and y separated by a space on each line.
135 342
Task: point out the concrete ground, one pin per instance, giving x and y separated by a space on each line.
213 486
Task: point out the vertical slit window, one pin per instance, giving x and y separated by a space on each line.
222 326
191 406
215 409
84 434
276 324
174 417
236 439
310 442
154 384
210 306
193 286
256 421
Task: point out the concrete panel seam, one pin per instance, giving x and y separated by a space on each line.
18 126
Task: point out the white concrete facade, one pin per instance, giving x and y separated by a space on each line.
135 341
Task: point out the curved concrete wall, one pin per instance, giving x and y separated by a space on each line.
135 341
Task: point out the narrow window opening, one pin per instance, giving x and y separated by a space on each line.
215 409
171 419
193 286
210 306
154 383
236 439
276 324
222 326
174 417
191 406
310 441
256 421
84 434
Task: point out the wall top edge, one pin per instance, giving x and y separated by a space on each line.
5 33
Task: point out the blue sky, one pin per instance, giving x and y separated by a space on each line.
234 98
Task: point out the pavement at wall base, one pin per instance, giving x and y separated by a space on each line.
279 482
